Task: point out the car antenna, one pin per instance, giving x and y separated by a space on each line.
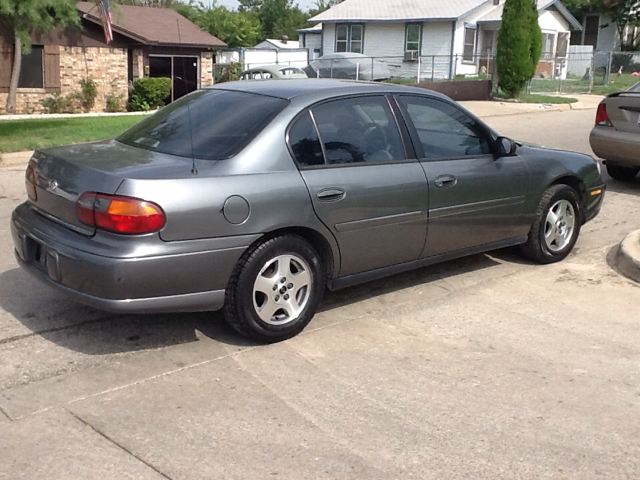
194 171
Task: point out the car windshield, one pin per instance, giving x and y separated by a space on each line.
635 88
207 124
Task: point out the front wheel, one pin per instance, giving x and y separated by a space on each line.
556 226
622 173
275 289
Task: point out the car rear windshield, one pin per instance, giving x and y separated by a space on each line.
207 124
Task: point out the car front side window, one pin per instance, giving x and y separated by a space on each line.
444 130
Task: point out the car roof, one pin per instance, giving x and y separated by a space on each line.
271 68
318 88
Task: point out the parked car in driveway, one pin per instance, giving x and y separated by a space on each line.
616 135
273 72
348 65
252 197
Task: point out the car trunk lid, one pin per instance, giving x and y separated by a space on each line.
63 174
623 109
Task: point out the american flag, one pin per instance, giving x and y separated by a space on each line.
105 19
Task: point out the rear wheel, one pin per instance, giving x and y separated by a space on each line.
275 289
622 173
556 226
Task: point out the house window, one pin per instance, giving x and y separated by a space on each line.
548 45
349 38
468 54
412 37
32 69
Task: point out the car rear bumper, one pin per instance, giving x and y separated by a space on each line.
126 274
620 147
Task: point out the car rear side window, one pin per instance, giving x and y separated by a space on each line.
207 124
304 142
361 129
444 130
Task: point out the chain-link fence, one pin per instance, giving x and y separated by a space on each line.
585 71
409 68
580 71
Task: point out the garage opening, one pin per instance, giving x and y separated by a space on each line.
182 70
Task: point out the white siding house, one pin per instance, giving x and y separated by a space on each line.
311 39
432 38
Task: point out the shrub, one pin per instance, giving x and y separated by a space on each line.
89 92
519 45
149 93
58 103
228 73
75 102
114 103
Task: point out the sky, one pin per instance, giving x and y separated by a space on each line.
303 4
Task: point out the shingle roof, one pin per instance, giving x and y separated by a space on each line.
314 29
397 10
495 15
153 26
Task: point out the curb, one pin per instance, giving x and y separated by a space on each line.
628 256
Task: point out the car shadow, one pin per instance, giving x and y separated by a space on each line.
630 187
64 322
60 320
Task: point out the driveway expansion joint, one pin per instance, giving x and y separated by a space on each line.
121 447
5 414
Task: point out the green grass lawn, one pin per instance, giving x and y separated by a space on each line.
533 98
616 83
17 135
578 85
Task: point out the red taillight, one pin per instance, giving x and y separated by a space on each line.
130 216
30 183
602 117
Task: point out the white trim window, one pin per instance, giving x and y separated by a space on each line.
469 49
349 37
412 37
548 45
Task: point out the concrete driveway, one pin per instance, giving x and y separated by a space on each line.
485 367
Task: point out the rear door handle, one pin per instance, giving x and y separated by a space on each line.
446 181
331 195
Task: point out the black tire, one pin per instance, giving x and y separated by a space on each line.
622 173
536 247
239 309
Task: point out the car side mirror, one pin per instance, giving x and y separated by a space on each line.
505 147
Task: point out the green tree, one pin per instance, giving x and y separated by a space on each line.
149 3
322 5
623 13
519 45
235 28
23 16
278 17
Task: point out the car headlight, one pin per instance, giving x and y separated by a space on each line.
599 167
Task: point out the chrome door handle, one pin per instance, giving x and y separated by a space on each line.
446 181
331 194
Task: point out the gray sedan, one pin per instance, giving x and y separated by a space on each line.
253 197
616 135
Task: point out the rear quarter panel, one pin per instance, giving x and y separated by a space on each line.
263 174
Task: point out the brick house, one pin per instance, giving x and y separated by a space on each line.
147 41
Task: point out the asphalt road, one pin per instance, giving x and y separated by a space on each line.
485 367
